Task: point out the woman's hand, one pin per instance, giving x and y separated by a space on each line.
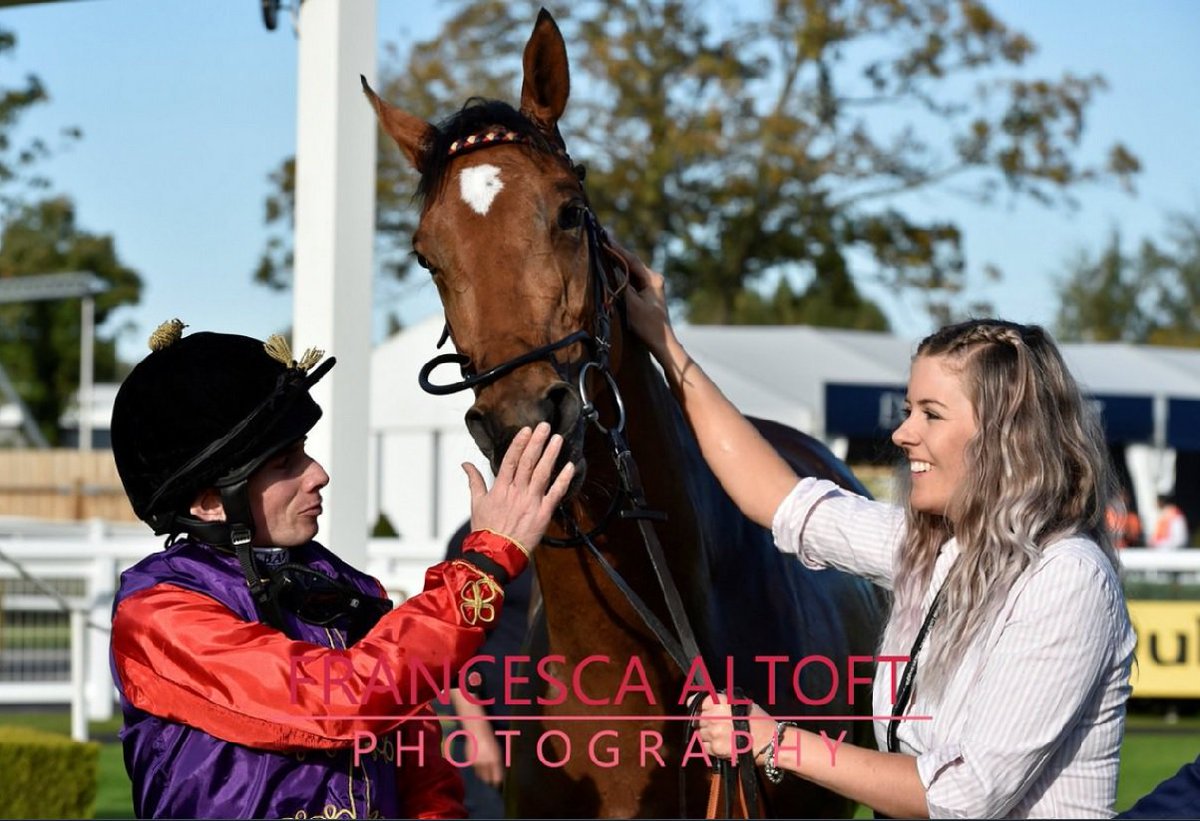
646 301
489 759
716 728
521 500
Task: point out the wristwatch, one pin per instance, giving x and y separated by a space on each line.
771 769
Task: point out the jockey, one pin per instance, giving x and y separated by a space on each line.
220 641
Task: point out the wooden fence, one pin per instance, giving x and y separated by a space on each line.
62 484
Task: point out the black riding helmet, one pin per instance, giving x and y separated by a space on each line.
205 411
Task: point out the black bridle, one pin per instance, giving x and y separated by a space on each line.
629 502
606 287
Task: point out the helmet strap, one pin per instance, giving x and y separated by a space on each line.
234 535
235 498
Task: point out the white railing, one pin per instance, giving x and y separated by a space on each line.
57 585
1157 565
1143 559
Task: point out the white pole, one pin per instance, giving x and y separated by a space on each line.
101 591
79 727
86 370
334 236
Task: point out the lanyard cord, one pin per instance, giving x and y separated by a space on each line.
904 694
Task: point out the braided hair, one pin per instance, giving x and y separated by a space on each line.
1037 471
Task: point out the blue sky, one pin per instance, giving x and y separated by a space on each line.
187 105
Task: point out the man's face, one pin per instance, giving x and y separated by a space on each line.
285 498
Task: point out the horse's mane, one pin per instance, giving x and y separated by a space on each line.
475 116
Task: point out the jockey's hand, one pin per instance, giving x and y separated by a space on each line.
716 728
646 301
522 499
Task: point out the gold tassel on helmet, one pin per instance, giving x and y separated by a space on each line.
166 334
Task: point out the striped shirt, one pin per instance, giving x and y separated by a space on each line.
1030 724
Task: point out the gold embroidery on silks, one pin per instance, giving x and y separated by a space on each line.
477 596
330 811
385 750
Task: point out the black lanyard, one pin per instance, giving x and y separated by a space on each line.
904 694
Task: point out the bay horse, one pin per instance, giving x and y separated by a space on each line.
532 299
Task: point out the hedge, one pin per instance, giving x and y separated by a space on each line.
45 775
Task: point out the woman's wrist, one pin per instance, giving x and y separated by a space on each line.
673 357
773 769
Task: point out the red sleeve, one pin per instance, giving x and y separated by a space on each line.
185 657
429 785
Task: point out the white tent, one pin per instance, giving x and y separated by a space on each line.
794 366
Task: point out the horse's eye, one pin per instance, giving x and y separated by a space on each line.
424 263
570 216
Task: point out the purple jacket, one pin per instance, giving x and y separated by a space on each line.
210 730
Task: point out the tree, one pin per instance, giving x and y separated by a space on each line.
39 341
1099 297
18 174
774 150
1151 297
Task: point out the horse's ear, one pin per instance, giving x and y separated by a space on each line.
411 133
547 82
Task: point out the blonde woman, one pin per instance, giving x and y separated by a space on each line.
1004 580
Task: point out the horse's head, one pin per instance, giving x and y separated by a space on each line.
507 234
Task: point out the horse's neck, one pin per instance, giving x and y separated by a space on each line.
674 481
659 439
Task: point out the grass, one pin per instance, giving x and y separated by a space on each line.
1153 750
1148 758
114 798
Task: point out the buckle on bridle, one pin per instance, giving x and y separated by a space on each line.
589 410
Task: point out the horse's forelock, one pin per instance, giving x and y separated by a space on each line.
477 115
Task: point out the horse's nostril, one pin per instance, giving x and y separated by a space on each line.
561 407
481 431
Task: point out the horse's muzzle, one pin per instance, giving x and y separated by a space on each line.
493 428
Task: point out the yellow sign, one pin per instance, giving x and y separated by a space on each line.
1168 649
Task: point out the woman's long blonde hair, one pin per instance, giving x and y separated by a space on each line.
1037 471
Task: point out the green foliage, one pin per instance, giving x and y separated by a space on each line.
40 341
384 529
46 775
774 148
18 160
1150 297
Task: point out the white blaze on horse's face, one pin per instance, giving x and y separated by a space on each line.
479 186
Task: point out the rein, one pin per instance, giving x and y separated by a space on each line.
682 646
